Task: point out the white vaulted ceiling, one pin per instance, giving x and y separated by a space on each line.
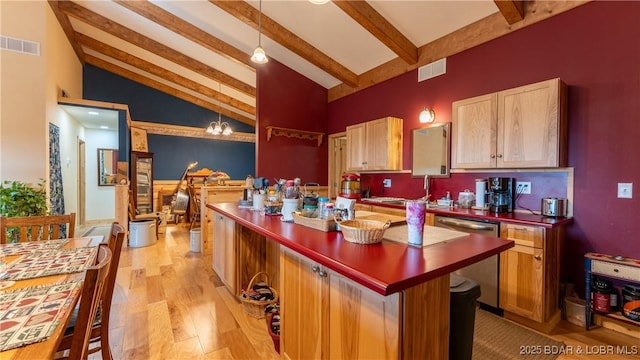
199 50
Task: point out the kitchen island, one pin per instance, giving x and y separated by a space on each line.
344 300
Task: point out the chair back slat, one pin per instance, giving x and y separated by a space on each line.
33 228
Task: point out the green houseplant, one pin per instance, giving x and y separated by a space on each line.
22 199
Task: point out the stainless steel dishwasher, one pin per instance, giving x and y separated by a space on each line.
486 272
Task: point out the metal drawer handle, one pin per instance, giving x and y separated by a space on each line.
315 268
322 273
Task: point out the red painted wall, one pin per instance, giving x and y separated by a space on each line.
595 49
289 100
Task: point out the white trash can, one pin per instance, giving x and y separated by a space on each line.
196 236
142 233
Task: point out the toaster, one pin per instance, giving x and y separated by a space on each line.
554 207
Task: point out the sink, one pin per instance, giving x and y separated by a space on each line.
386 200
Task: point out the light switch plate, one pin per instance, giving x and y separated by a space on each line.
625 190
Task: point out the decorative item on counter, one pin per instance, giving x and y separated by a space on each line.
248 183
273 207
466 199
415 221
310 199
363 231
289 206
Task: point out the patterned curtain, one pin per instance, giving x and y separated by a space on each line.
55 174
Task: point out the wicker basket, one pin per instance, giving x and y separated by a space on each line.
363 231
255 308
325 225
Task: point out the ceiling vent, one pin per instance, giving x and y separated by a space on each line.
19 45
434 69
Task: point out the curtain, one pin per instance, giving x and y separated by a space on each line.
55 174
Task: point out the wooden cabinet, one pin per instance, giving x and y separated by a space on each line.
327 316
530 272
375 145
208 195
524 127
224 251
141 171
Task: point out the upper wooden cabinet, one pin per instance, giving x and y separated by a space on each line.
524 127
375 145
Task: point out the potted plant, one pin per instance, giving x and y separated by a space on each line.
22 199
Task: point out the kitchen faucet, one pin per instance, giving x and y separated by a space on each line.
427 181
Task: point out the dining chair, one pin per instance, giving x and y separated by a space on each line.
93 288
32 228
100 326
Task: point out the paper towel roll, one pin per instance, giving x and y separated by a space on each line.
481 192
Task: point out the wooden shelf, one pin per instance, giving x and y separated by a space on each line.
300 134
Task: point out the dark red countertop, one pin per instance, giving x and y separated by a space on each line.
523 218
386 267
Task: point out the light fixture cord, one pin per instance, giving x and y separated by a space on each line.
260 24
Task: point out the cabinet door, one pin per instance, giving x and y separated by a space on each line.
474 131
303 301
356 147
224 251
384 144
521 282
529 125
362 323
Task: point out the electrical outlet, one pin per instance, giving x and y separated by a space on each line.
386 183
625 190
523 187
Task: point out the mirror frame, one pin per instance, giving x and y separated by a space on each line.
105 179
447 144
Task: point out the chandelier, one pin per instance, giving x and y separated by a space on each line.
219 127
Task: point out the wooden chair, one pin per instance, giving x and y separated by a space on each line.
133 214
32 228
100 327
92 292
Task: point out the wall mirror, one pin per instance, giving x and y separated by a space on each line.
107 167
430 150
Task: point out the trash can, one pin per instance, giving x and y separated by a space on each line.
142 233
195 235
462 315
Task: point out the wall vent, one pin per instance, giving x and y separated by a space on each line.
19 45
434 69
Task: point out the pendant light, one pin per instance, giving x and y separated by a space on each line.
219 127
259 56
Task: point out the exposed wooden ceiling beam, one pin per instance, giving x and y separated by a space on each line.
164 18
249 15
512 10
146 66
105 65
152 46
67 28
383 30
484 30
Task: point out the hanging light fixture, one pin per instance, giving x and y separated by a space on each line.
427 116
318 2
259 56
219 127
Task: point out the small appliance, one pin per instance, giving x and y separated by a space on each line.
350 187
554 207
501 194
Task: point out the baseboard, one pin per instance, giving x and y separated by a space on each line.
622 326
544 328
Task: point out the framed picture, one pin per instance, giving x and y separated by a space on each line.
139 140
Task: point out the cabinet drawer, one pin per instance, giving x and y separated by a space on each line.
615 270
524 235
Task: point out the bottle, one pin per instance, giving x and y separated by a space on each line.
328 211
322 202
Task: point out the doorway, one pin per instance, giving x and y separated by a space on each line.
81 182
337 161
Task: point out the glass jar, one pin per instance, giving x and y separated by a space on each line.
322 202
328 211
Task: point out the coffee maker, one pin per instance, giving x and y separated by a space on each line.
501 194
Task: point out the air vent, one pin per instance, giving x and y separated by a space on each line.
434 69
19 45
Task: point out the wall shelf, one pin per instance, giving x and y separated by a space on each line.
300 134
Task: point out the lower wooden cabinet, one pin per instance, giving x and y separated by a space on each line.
327 316
530 272
225 250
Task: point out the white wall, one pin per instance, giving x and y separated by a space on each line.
70 131
100 199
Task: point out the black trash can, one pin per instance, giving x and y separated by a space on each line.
462 315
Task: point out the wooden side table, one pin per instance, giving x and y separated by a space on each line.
613 267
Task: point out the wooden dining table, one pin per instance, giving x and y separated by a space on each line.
46 349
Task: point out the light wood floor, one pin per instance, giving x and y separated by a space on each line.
169 304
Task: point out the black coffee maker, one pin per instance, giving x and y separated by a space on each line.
501 194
